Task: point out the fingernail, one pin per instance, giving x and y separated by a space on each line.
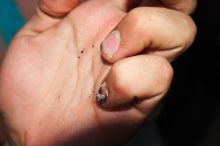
102 94
111 44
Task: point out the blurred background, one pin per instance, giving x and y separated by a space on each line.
190 114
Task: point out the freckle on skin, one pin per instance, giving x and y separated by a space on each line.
58 97
93 46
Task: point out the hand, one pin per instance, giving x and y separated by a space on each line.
157 30
50 74
141 30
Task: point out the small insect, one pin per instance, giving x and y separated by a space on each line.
102 94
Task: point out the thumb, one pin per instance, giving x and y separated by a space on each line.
140 81
49 13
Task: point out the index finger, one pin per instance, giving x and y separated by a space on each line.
151 30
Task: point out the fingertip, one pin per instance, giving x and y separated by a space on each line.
58 8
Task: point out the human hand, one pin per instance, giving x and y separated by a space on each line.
141 30
50 74
157 30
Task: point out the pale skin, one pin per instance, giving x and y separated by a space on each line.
54 67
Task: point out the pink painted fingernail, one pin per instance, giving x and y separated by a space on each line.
111 44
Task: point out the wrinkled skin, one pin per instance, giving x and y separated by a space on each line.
47 91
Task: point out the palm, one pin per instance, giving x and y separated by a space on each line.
48 83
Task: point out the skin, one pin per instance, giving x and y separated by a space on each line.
53 68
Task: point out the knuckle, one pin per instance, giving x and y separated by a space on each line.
166 71
192 28
187 31
136 18
190 31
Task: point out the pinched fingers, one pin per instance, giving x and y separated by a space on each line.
158 31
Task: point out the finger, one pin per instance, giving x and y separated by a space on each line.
144 78
157 31
57 8
49 13
186 6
